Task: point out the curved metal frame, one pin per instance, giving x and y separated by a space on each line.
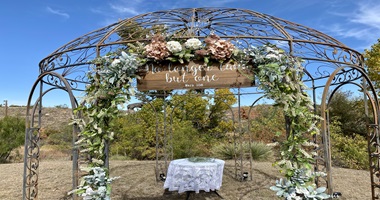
373 137
327 62
31 149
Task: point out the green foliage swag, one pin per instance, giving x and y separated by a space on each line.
280 78
108 88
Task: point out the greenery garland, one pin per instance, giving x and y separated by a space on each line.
280 78
108 88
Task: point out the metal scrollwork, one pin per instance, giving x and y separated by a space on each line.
32 151
351 74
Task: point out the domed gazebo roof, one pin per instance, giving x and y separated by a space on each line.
321 53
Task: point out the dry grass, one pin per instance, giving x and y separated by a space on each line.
138 182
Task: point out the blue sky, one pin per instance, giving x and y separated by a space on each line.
31 30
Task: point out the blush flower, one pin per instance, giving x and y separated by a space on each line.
219 49
157 48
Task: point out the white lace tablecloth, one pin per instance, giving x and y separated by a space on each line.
184 175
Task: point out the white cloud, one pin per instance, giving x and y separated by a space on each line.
136 7
359 21
119 9
57 12
348 32
129 10
365 37
368 14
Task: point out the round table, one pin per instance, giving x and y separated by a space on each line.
185 175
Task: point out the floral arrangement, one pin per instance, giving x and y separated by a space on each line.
280 78
158 50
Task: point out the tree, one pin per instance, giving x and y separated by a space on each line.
372 60
136 134
223 100
12 131
193 120
207 114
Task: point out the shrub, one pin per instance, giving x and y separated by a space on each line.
12 130
186 141
268 123
259 151
136 139
61 138
224 151
348 152
61 106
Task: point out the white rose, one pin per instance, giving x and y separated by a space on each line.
193 43
174 46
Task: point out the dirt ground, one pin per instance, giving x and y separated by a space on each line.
137 182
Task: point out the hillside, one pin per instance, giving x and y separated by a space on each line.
51 117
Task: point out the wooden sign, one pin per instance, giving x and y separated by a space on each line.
193 75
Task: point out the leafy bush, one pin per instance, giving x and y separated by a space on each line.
349 111
186 142
12 130
61 138
268 123
349 152
224 151
132 139
135 138
259 151
191 122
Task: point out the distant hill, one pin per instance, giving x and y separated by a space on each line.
51 117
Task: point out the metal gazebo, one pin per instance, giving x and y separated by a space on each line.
328 64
